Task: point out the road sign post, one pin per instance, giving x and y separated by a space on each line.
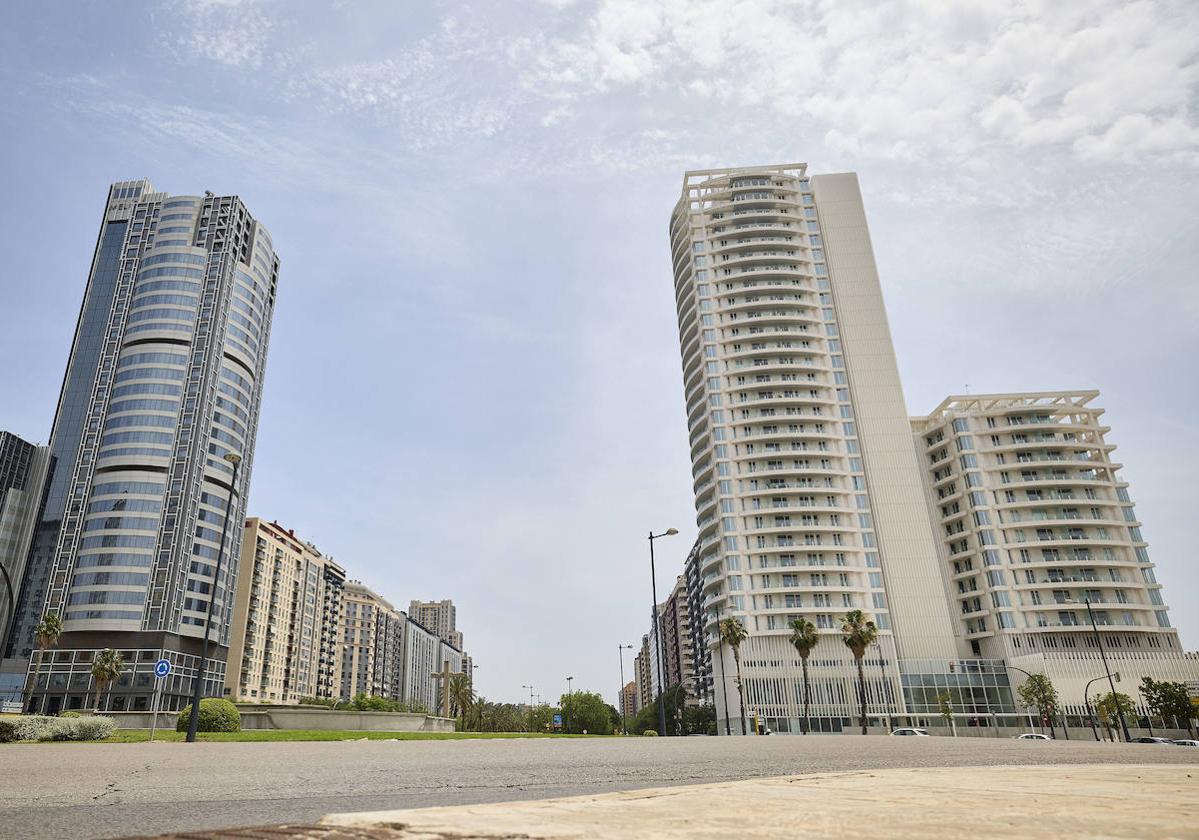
162 670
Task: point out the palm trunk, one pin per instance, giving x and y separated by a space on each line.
807 722
99 691
740 688
862 693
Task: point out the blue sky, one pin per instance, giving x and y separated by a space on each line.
473 388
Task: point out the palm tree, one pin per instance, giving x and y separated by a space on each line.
733 633
461 695
46 634
804 637
859 633
107 667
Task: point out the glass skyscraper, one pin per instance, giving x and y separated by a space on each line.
163 380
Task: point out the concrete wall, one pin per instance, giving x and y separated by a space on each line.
298 717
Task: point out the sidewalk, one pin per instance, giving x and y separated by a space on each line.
1051 801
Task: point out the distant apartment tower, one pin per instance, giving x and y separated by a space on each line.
678 658
1035 522
701 654
164 380
807 493
641 674
372 636
283 644
441 617
24 468
628 699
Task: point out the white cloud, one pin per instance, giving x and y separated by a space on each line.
904 80
236 33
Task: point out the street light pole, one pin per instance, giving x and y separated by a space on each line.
198 682
669 532
624 722
569 699
1107 671
724 686
1086 699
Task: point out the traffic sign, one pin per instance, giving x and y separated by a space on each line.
557 720
162 668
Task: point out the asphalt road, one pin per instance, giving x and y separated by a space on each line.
122 790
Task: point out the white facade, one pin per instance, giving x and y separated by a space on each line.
808 495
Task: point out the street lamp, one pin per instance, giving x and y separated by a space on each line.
569 694
198 682
1027 674
530 688
724 686
669 532
624 722
1086 698
1106 670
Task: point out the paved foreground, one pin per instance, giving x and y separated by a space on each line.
119 790
1005 803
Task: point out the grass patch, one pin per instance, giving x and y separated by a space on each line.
133 736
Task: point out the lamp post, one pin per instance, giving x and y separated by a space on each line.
569 698
669 532
530 688
724 686
1027 674
1086 699
198 682
1106 670
624 721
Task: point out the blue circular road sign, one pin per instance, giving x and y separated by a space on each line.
162 668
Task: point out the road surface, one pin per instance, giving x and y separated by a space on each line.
122 790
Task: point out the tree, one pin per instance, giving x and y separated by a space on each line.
107 667
946 709
48 631
859 633
1110 706
541 717
462 695
733 633
585 711
699 720
804 638
1038 693
1168 699
46 634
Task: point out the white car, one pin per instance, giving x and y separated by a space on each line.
1033 736
1186 742
908 730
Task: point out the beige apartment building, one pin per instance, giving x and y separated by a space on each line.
807 491
1039 535
283 638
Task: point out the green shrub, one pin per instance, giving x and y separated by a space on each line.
79 728
653 733
24 728
69 714
216 715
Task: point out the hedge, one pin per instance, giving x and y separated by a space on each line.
43 728
216 715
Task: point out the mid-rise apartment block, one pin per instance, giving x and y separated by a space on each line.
701 654
628 699
284 642
678 656
441 617
162 386
1039 535
642 669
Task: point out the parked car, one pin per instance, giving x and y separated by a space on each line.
1185 742
1033 736
1150 739
909 730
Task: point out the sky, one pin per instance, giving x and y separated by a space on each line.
473 387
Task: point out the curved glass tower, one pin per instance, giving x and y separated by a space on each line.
164 379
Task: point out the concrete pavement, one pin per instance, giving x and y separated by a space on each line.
1005 803
120 790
